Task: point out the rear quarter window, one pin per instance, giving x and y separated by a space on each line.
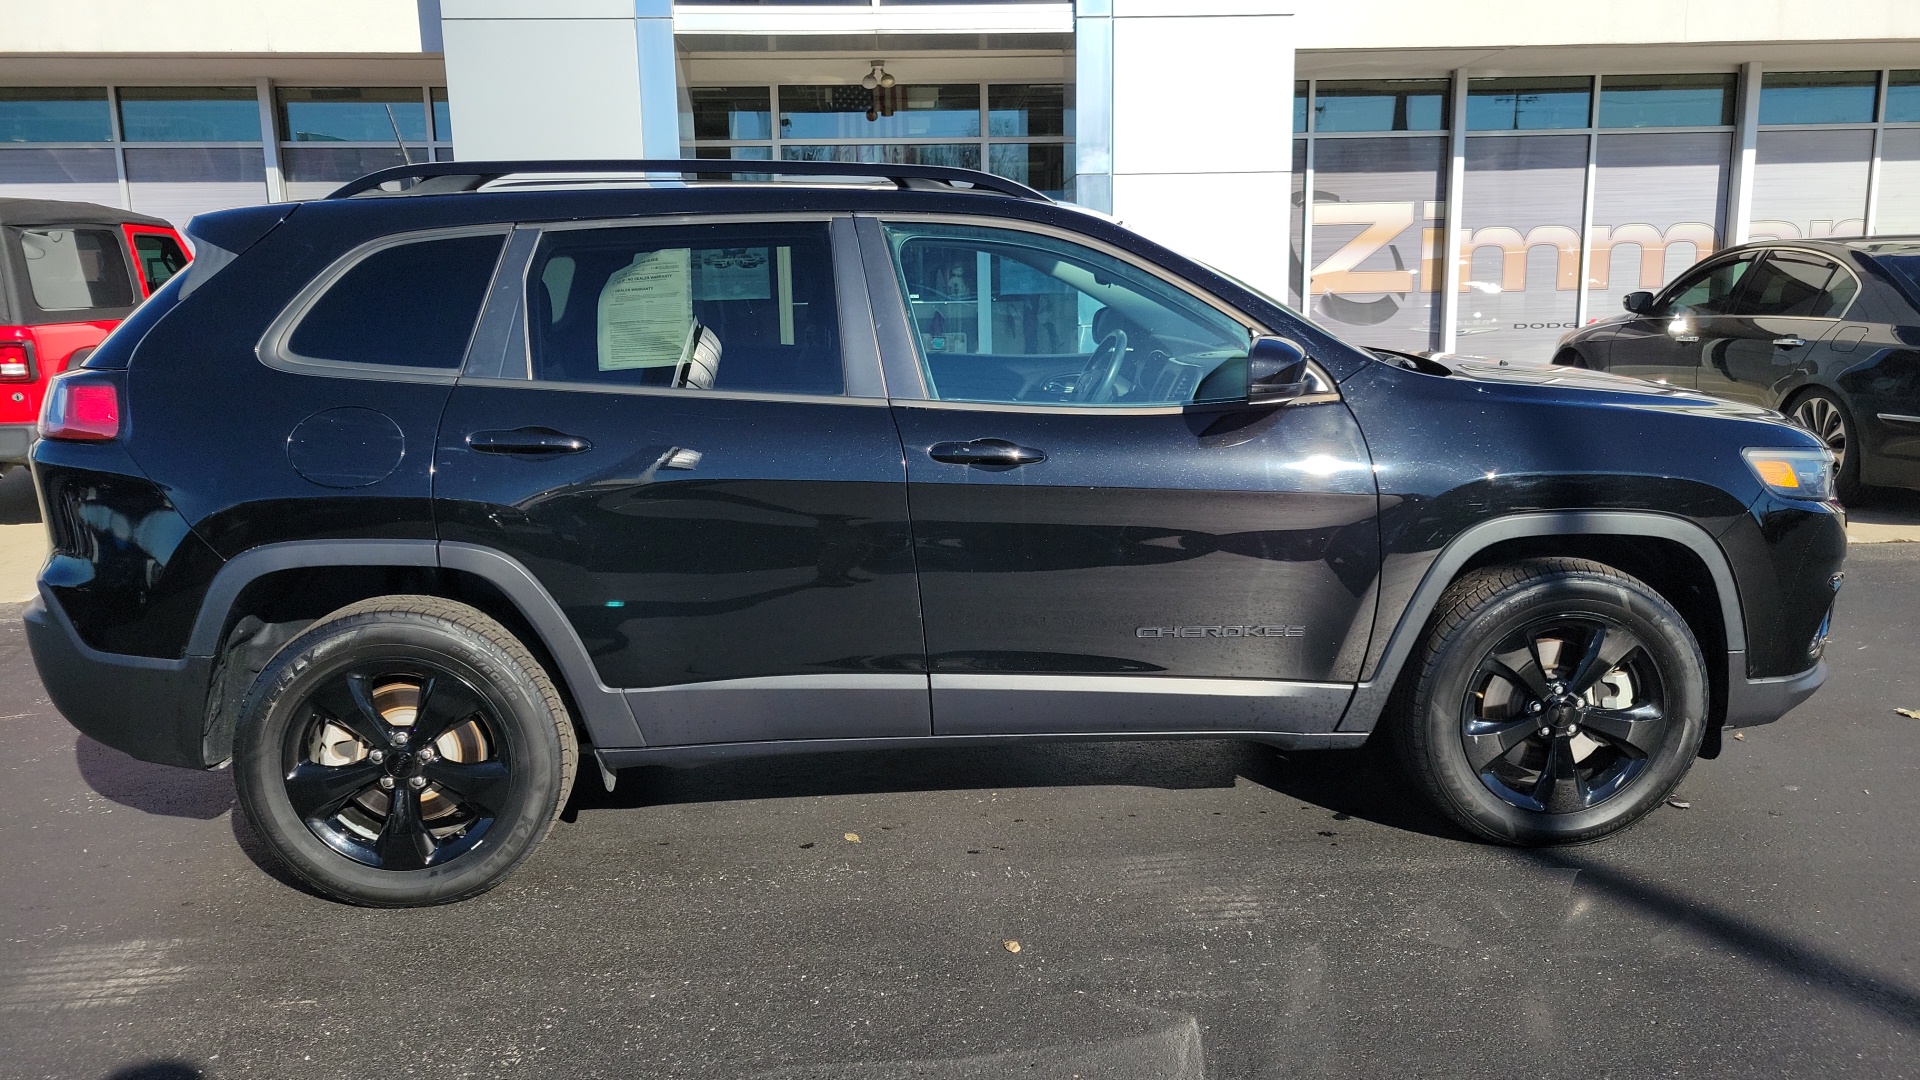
411 305
71 269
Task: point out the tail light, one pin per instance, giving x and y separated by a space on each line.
16 361
81 406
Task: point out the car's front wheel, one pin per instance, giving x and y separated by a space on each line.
1555 701
405 750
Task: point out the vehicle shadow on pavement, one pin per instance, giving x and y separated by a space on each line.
157 1070
1804 963
153 789
1348 784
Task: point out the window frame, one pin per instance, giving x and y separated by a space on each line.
894 317
274 350
502 327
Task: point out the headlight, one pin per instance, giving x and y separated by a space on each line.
1799 473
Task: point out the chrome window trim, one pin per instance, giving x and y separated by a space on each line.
678 393
874 245
1827 257
1899 418
272 348
870 383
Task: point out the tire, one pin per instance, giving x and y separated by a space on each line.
1823 413
1608 761
330 775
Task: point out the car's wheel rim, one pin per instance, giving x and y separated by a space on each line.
397 765
1564 714
1822 417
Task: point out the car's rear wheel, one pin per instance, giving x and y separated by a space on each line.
405 750
1555 701
1823 413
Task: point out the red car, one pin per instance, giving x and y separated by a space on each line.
69 272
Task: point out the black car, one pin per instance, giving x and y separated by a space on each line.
407 501
1826 331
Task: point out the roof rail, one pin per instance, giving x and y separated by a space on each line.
445 177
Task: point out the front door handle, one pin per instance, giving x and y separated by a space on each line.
991 452
1793 341
528 441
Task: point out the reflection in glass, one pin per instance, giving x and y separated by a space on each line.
956 155
1520 250
190 113
54 114
1378 221
1045 167
1818 97
731 112
1903 97
1039 109
1381 105
735 153
1300 106
1529 104
388 114
1632 101
1809 184
442 118
854 112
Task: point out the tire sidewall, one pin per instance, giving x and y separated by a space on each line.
1847 483
278 700
1666 639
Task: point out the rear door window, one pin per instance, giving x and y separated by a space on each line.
1792 284
411 305
159 257
743 306
76 269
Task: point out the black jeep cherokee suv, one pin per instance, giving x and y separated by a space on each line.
404 500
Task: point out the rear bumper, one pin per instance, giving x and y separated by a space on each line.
154 710
1762 701
16 443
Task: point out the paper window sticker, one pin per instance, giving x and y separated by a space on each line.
646 312
740 273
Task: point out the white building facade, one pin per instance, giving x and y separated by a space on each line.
1432 174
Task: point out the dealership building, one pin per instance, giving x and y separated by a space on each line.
1412 173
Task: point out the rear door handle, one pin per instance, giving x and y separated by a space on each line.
991 452
1790 342
527 441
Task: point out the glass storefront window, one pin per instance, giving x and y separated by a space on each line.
1300 106
1045 167
190 113
1903 97
1809 184
1818 97
854 112
1032 109
1381 105
352 114
1657 202
1636 101
1899 180
956 155
54 114
1529 104
1296 225
1520 252
1378 224
442 116
731 112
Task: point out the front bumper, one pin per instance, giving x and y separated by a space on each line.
154 710
1762 701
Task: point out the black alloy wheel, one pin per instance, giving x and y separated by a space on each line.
404 750
398 767
1562 714
1554 700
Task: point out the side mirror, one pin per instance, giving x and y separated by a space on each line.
1640 303
1277 370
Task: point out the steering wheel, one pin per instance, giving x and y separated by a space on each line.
1095 384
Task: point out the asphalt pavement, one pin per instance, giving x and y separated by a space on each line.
1180 910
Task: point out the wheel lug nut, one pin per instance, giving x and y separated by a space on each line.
427 754
1545 731
376 756
417 782
399 738
386 783
1535 707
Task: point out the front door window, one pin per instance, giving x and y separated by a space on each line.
1022 318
